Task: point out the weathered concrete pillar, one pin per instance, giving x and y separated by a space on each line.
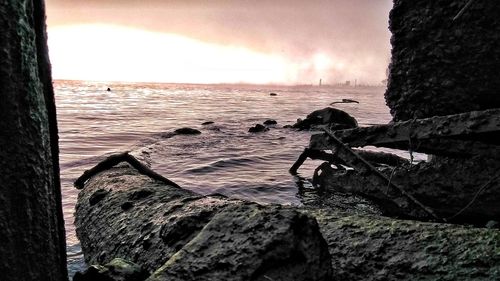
31 223
442 66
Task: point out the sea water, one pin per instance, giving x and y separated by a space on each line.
224 159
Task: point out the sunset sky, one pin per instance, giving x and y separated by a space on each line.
219 41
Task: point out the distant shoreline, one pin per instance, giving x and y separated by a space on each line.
339 85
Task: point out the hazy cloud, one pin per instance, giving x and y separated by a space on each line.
351 34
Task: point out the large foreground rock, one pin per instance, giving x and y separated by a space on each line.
178 235
378 248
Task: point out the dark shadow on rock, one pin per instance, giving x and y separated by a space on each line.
335 119
180 235
187 131
258 128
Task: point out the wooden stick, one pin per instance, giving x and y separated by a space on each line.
115 159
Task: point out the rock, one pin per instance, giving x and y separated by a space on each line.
258 129
116 270
336 119
33 245
287 127
381 248
444 185
435 73
207 123
345 101
270 122
273 94
180 235
283 245
187 131
97 196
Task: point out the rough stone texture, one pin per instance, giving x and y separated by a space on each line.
424 135
270 122
378 248
440 66
184 236
335 119
31 221
258 128
252 242
237 240
446 186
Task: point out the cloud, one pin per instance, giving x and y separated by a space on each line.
351 35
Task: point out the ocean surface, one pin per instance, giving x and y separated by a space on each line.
225 158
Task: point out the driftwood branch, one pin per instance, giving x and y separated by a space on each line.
114 160
345 101
360 164
370 156
315 155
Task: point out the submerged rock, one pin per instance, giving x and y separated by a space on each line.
258 128
187 131
335 119
270 122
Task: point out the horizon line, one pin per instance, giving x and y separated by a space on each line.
338 84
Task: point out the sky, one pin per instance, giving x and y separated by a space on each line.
220 41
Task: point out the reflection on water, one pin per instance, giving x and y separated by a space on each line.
225 158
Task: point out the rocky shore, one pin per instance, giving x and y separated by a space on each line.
443 95
175 234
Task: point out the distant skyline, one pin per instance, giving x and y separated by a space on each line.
220 41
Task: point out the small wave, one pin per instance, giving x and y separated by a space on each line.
222 164
82 162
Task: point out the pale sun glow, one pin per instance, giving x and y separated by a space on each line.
101 52
112 53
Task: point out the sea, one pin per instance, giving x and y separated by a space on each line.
225 158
